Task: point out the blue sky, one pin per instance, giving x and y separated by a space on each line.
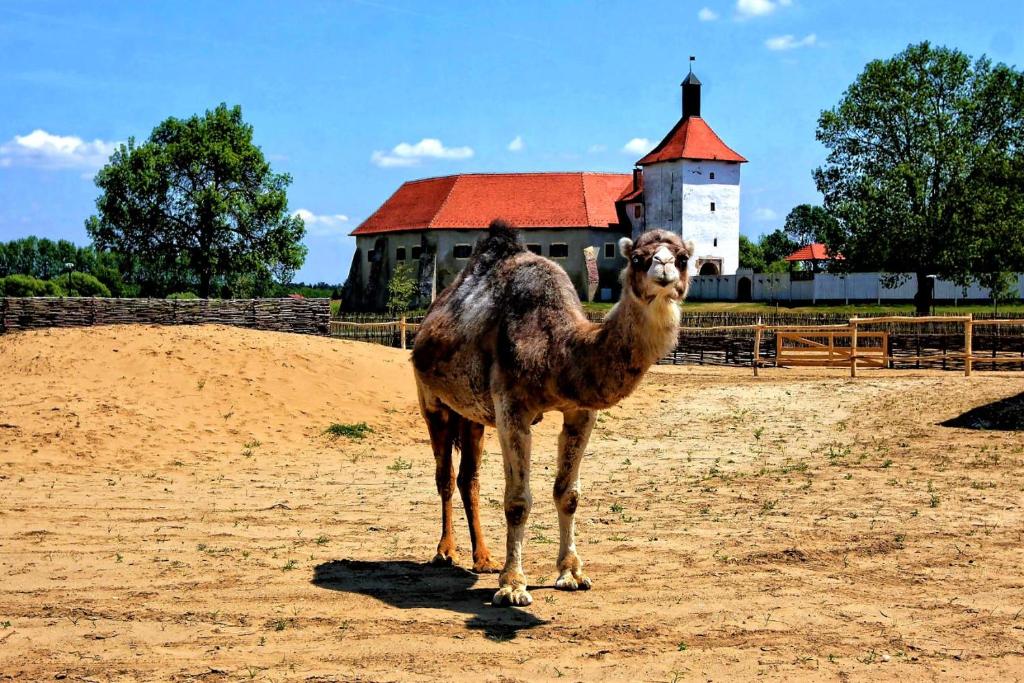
353 97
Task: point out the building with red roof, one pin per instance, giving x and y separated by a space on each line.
689 183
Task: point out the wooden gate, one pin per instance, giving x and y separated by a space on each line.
831 349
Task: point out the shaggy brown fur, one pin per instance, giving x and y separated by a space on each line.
507 342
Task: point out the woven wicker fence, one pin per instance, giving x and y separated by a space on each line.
303 316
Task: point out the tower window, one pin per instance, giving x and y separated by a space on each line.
400 254
535 248
558 250
462 251
711 176
638 211
609 249
716 242
416 251
712 207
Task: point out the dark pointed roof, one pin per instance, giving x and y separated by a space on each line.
691 138
691 79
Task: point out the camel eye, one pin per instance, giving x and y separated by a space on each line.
637 260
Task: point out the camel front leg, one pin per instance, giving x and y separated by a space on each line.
571 444
514 435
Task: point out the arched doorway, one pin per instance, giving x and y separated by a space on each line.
709 268
743 289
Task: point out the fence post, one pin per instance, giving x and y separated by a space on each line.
853 347
401 330
968 344
757 346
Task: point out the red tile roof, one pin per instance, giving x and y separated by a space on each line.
813 252
527 200
691 138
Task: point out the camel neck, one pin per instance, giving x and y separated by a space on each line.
634 335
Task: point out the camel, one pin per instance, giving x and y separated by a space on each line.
508 341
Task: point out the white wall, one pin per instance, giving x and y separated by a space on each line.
830 287
678 196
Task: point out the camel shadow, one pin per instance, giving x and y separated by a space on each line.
1005 415
408 585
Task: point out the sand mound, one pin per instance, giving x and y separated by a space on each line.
128 390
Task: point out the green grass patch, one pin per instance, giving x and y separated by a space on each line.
351 431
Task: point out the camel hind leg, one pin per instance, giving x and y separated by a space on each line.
442 424
472 435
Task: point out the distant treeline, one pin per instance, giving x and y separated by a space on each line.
34 266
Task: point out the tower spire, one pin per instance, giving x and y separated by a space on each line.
691 92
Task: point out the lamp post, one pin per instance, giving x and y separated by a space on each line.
68 266
931 292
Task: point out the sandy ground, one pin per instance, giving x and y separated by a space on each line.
170 509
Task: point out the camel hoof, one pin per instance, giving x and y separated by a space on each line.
568 582
442 560
486 566
512 596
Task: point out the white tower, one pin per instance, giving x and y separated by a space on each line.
691 186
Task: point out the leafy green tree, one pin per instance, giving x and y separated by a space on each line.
198 204
776 246
916 144
401 289
83 284
751 255
807 223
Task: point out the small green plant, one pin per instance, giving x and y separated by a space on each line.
399 464
933 502
5 624
289 565
351 431
681 647
617 508
321 540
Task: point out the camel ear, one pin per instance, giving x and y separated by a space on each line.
626 247
688 245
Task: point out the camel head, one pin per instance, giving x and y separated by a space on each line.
657 265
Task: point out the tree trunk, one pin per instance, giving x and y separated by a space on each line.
923 298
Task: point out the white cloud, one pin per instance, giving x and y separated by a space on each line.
325 225
516 145
637 146
707 14
404 154
765 215
758 8
789 42
40 149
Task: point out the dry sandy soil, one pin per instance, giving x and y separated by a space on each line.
171 509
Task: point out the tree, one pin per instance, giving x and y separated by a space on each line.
776 246
807 223
401 288
751 255
198 205
915 145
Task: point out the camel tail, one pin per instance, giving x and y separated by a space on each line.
502 240
453 435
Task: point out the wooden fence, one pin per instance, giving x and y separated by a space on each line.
943 342
305 316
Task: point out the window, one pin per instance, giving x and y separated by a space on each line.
400 254
373 256
716 242
609 249
712 207
711 176
462 251
558 250
535 248
416 251
638 210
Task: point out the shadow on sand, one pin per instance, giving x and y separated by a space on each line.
409 585
1006 415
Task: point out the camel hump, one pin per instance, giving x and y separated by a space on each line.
502 241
